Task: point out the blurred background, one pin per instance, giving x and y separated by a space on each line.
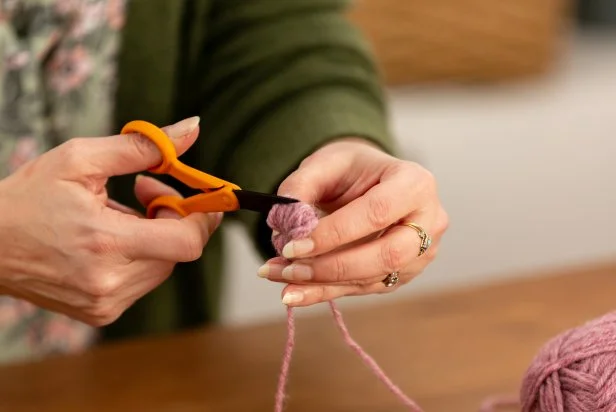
512 105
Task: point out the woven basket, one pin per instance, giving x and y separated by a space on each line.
462 40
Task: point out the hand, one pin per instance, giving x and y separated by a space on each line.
66 247
363 193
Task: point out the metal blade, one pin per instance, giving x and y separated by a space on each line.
260 202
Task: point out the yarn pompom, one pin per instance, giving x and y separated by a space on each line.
291 222
575 371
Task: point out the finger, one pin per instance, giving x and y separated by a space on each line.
173 240
147 276
147 189
381 206
306 295
128 153
317 177
112 204
396 251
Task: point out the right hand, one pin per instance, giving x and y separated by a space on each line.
67 248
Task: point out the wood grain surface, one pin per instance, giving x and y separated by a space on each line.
447 351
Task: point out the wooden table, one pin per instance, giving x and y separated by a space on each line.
448 352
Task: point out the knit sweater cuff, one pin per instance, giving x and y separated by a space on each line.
280 142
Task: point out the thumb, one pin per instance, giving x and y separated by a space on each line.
132 153
317 179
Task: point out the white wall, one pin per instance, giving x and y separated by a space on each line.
527 173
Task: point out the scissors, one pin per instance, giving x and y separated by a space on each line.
219 195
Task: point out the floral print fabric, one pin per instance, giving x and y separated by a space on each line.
57 81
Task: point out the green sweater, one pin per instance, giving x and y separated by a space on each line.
272 81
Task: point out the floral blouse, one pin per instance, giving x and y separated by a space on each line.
57 79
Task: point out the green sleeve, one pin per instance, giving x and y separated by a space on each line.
273 81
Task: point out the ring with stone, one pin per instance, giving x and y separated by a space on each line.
391 280
426 240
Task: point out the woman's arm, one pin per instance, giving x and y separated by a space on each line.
273 81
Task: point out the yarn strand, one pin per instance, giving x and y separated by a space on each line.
286 361
368 360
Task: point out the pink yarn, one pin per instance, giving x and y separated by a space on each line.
291 221
573 372
296 221
286 361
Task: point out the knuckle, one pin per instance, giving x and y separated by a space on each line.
104 319
321 294
101 287
193 247
379 210
313 159
100 243
72 153
392 257
419 178
442 223
427 176
340 270
335 235
142 146
102 313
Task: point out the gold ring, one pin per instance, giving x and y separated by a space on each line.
391 280
426 240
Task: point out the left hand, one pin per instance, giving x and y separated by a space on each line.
364 193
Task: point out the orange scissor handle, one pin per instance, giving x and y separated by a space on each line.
222 200
170 164
219 196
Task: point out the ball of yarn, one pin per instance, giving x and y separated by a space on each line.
291 221
575 371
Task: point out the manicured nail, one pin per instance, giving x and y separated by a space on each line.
264 271
297 248
297 272
292 297
218 218
184 127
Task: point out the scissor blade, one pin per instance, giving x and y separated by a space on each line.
260 202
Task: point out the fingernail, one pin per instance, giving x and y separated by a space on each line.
290 298
218 218
184 127
297 248
213 221
138 177
263 271
297 272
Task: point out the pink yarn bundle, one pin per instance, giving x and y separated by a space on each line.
296 221
573 372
